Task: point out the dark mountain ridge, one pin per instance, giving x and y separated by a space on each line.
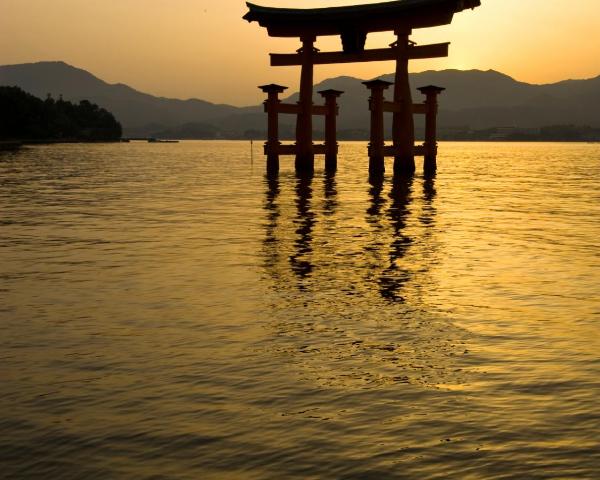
131 107
473 99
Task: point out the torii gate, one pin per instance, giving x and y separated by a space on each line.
353 23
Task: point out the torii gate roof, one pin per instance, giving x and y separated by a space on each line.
373 17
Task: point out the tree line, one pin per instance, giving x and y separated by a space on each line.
28 118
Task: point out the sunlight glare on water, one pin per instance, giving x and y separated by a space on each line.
168 312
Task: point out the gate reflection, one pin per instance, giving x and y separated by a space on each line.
310 235
304 221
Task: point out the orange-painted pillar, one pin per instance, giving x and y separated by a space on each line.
331 145
272 145
376 139
431 93
305 158
403 127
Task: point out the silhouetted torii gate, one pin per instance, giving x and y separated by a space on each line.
353 23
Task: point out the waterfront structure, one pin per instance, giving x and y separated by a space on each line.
353 24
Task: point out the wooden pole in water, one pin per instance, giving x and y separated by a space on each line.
272 145
331 145
403 128
431 93
376 140
305 158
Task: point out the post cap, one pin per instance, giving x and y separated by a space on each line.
330 93
430 89
272 87
377 84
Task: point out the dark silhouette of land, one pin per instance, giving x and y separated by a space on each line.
26 118
477 105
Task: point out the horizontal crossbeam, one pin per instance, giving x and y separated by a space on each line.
420 108
319 149
391 151
417 108
375 55
294 109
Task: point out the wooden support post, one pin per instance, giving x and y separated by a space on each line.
331 145
305 158
272 145
403 128
431 93
376 140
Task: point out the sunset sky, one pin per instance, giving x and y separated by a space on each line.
203 49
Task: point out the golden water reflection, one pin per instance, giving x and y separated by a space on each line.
216 324
353 288
381 244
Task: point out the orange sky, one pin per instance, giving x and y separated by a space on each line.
203 49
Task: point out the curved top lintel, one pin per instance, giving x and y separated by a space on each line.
374 17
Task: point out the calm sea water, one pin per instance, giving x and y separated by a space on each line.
167 312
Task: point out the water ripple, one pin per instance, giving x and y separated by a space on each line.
169 312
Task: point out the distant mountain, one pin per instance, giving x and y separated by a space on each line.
135 110
473 99
479 99
486 99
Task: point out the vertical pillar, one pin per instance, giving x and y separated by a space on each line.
431 93
376 140
403 128
305 158
331 145
272 145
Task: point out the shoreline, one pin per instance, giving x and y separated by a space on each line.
13 145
